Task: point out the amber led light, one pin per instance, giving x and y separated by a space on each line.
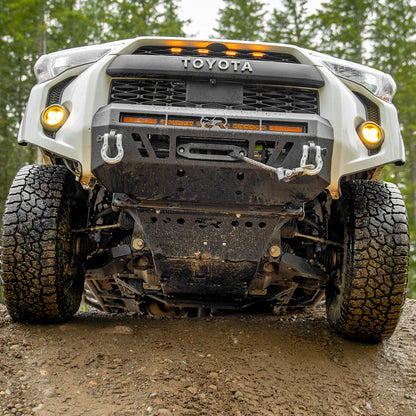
371 134
287 129
139 120
53 117
126 118
176 50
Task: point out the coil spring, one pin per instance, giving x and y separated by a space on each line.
328 258
84 246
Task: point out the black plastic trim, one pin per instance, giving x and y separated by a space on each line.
233 69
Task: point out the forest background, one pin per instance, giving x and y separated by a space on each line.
379 33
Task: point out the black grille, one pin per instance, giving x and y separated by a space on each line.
55 96
373 112
255 97
280 99
217 51
55 93
148 92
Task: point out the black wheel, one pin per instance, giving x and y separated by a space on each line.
365 300
42 279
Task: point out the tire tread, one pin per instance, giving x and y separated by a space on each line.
378 262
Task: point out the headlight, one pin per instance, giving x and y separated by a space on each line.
53 64
380 84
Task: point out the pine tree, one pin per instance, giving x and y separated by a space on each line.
68 26
97 14
343 28
241 20
170 24
128 19
290 24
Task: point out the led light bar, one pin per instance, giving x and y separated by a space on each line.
231 125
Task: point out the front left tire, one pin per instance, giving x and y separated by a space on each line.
365 299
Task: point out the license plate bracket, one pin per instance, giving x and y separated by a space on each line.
204 92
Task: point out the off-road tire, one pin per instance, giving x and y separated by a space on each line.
42 279
365 301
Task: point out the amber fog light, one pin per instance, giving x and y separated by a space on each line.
371 134
53 117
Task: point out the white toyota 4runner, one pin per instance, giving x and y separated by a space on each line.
188 176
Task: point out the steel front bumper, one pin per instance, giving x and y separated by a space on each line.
204 157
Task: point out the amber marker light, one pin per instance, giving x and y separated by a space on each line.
176 50
287 129
257 54
139 120
240 126
181 123
203 51
231 53
53 117
371 134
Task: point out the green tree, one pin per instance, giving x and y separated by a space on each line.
170 24
290 24
68 25
97 14
343 28
128 19
241 20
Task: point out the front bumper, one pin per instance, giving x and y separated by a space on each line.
166 163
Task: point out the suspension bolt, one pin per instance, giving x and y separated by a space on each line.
138 244
275 251
268 267
143 261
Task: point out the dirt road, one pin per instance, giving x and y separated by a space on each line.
228 365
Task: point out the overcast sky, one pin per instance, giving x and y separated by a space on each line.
204 14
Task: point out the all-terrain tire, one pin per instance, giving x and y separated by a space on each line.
42 279
366 299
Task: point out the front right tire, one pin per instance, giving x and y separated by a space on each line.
365 299
42 278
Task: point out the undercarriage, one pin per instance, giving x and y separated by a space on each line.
202 260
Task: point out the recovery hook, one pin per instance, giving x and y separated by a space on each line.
118 138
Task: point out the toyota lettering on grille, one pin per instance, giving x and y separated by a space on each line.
222 64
